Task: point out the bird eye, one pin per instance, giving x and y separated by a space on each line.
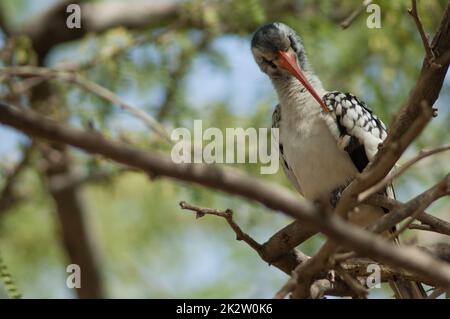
292 43
269 62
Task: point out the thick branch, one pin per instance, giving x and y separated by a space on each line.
408 123
280 247
339 288
233 182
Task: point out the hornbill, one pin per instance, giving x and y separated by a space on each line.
325 137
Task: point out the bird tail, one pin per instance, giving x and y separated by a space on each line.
406 289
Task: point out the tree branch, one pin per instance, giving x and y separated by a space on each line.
408 123
233 182
228 216
436 224
389 178
7 194
286 260
426 43
339 288
92 87
355 14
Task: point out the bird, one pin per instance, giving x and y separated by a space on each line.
325 137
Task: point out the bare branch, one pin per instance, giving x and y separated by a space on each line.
444 58
49 28
281 244
274 252
408 123
389 178
307 271
438 225
233 182
426 43
339 289
91 87
358 267
355 14
422 227
354 284
228 215
406 225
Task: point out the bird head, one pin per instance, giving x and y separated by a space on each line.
279 53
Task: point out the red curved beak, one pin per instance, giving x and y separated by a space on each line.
288 61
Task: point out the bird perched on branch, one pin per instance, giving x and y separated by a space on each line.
325 137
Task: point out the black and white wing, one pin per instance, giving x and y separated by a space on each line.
276 118
358 131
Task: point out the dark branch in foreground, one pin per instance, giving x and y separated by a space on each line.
233 182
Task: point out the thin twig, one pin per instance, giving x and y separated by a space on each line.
431 58
355 14
228 215
340 231
340 257
422 227
390 177
92 87
406 225
177 76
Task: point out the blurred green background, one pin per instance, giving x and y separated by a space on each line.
197 66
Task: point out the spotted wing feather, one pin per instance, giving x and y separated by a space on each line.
359 130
